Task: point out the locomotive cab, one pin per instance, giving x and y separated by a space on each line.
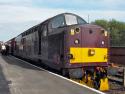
57 38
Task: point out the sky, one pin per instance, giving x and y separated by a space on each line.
17 16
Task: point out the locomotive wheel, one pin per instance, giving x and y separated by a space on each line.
96 84
65 72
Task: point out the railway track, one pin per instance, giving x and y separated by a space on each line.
117 56
116 80
116 74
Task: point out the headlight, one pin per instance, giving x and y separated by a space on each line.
76 41
70 56
91 52
77 30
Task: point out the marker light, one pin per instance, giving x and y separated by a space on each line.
91 52
106 33
76 41
72 32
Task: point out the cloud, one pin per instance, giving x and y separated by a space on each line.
24 14
16 2
110 14
10 30
72 4
21 14
16 19
82 4
17 16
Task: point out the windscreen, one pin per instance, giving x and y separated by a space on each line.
73 19
70 19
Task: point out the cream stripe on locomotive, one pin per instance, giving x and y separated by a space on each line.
88 55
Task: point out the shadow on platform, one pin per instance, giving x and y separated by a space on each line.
4 84
13 61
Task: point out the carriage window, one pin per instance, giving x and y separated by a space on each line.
44 31
70 19
58 22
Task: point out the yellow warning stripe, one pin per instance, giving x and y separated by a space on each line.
81 55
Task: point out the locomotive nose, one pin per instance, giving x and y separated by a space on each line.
88 44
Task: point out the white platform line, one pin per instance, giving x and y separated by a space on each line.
62 77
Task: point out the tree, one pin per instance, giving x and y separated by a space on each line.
103 23
117 31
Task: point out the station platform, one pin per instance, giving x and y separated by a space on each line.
19 77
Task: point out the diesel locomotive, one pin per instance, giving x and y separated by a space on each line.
66 43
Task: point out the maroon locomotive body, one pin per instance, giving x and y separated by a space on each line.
66 43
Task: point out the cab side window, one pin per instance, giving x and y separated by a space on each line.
80 21
58 22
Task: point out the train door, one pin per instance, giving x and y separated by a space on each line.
56 41
44 42
35 42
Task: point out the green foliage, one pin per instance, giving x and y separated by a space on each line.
103 23
117 31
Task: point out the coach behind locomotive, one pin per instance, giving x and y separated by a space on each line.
67 43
